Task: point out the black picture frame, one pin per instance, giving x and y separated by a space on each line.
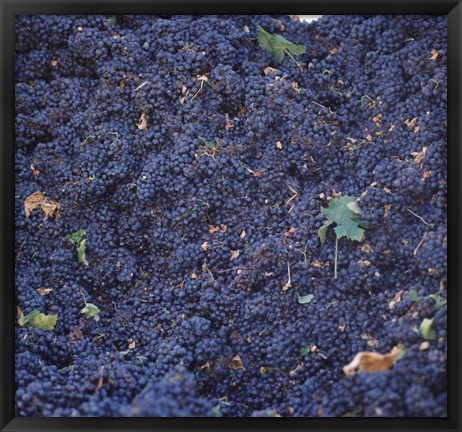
10 8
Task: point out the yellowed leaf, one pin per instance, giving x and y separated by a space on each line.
204 246
246 29
427 174
213 229
279 145
242 234
19 312
183 89
143 123
341 328
236 363
234 255
132 344
333 51
372 362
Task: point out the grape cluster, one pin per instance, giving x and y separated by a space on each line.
197 166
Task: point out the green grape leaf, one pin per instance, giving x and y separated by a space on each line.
426 329
402 352
38 320
346 214
278 45
81 256
76 238
323 230
414 296
349 229
439 301
91 311
304 299
207 143
338 211
354 207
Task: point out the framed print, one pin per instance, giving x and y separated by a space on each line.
236 216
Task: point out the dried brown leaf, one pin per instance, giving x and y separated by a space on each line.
286 287
259 172
396 299
298 368
44 291
50 208
366 248
204 246
424 346
279 145
236 363
32 202
234 255
38 199
427 174
372 362
268 70
143 123
228 125
289 234
35 171
434 55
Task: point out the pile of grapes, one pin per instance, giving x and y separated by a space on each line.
231 216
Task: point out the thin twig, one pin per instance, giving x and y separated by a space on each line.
141 85
420 244
421 218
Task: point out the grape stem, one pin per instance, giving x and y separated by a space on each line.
336 254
